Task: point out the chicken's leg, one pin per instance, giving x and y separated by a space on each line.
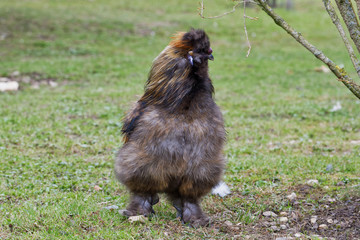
141 204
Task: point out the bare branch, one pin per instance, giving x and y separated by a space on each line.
340 73
201 13
331 11
348 14
219 16
246 34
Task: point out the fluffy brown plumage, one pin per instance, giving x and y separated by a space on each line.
174 135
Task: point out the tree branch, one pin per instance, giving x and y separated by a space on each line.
358 6
348 14
340 73
331 11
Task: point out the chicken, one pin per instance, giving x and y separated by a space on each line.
174 135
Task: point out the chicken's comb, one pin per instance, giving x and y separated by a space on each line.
178 41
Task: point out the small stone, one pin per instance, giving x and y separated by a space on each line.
313 220
341 183
4 79
269 214
291 197
275 228
283 213
228 223
297 235
343 224
9 86
26 79
266 224
53 84
3 36
283 219
295 216
35 86
111 207
330 221
272 223
312 182
322 69
122 212
329 167
15 74
283 227
323 226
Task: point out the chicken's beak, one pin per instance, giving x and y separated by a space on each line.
211 57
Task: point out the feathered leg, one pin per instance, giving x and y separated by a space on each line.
141 204
189 211
186 201
192 213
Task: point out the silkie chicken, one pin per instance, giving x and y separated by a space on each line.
174 135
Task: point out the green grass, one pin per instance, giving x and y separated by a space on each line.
57 143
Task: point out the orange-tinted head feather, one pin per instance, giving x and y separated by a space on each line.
178 42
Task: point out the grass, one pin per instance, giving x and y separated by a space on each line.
58 143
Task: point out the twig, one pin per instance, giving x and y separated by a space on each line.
340 73
331 11
348 14
226 13
246 34
201 13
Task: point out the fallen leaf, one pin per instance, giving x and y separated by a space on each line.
139 218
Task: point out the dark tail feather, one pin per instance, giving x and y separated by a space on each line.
131 120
